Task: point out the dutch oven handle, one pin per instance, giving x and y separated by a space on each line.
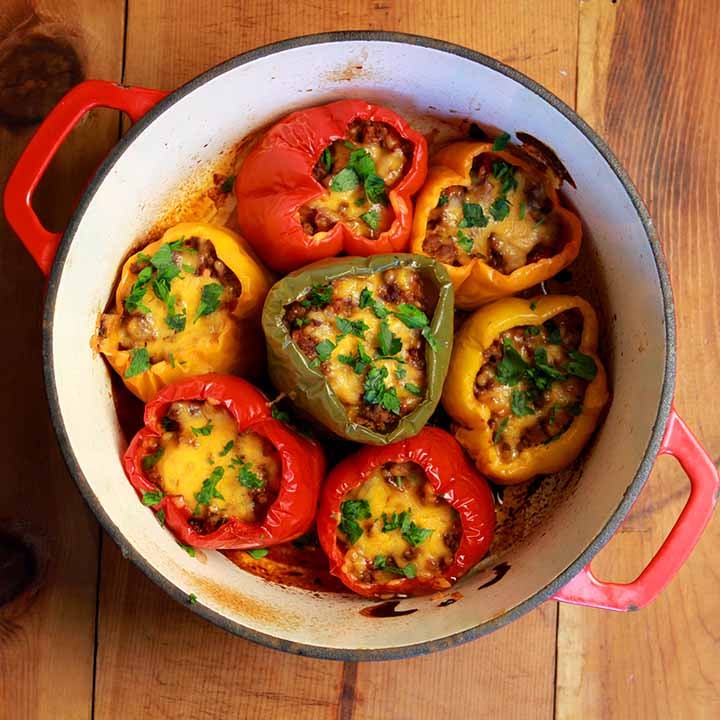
586 589
40 242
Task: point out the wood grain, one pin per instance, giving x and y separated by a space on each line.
656 99
512 672
46 647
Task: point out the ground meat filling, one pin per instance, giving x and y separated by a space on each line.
207 465
394 526
504 218
182 289
533 382
366 334
357 173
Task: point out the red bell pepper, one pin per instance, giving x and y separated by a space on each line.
452 477
292 512
276 180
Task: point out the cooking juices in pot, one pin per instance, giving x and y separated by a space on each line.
504 214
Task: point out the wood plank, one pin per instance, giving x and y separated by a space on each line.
655 97
168 43
47 644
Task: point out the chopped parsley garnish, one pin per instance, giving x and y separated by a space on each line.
389 344
367 300
500 429
501 142
359 362
512 368
379 562
541 363
257 553
175 321
375 189
443 200
168 424
505 173
150 461
227 184
279 414
414 389
400 372
473 216
208 491
581 365
205 430
160 517
500 209
393 522
362 163
229 445
163 262
358 328
532 330
139 362
519 400
188 549
408 571
411 533
376 393
352 511
553 331
152 498
134 299
324 350
371 218
319 296
345 180
533 305
246 476
465 241
411 316
192 598
209 299
327 159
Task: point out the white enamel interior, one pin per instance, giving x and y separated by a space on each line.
220 112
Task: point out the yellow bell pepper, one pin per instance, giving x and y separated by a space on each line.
476 282
482 423
222 340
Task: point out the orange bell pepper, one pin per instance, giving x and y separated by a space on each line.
483 424
476 282
220 337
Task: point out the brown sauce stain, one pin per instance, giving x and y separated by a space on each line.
500 571
386 610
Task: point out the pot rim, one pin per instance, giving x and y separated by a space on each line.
416 649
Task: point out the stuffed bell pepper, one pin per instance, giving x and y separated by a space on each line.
331 179
186 304
525 386
362 344
405 519
494 219
219 470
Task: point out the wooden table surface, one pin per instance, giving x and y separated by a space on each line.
100 640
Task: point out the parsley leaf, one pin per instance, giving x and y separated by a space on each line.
229 445
319 296
359 362
500 429
412 533
414 389
379 562
443 200
152 498
279 414
389 344
188 549
139 363
371 218
375 385
500 209
473 216
151 460
205 430
345 180
367 300
209 299
160 517
519 403
324 350
246 476
175 321
541 363
411 316
352 511
505 173
375 189
465 241
192 598
408 571
512 368
327 159
135 297
390 401
532 330
358 328
553 331
257 553
208 491
581 365
501 142
362 163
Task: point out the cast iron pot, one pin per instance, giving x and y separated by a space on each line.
176 132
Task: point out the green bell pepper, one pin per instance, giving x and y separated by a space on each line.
302 380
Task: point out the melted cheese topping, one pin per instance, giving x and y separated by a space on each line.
150 330
189 459
504 243
552 410
412 495
347 384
